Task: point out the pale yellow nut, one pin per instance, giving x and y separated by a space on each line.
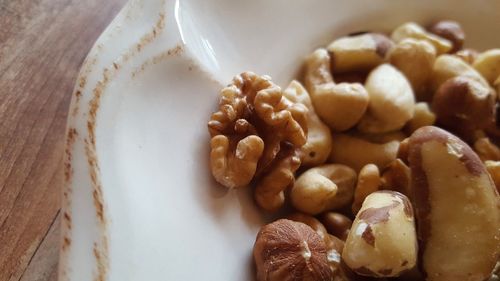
358 52
317 69
488 64
323 188
382 241
357 152
423 117
319 139
415 31
391 101
449 66
236 169
456 206
467 55
415 59
369 181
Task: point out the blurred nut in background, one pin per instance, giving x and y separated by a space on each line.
361 52
357 152
450 30
488 64
423 116
337 224
369 181
449 66
415 59
467 55
486 150
396 177
391 101
323 188
464 105
415 31
493 168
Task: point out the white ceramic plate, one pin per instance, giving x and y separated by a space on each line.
139 202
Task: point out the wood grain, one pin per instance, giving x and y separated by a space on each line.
42 46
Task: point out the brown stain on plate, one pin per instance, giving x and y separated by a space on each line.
100 248
175 51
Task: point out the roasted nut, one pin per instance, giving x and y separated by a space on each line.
415 31
488 64
423 116
288 251
319 138
467 55
415 59
358 52
312 222
382 241
449 66
391 101
337 224
269 192
486 150
356 152
254 120
456 206
493 168
464 105
369 181
450 30
323 188
396 177
340 106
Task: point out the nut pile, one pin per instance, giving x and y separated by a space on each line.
387 151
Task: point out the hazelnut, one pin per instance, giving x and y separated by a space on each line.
464 105
360 52
456 206
450 30
337 224
290 251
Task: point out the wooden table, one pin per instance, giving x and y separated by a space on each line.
42 46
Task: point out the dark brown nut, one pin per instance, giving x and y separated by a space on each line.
488 64
415 31
464 105
340 106
319 138
359 52
323 188
467 55
456 206
337 224
254 120
486 150
449 66
396 177
357 152
415 59
369 181
289 251
423 116
382 241
450 30
391 101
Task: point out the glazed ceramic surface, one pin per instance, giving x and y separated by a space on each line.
139 200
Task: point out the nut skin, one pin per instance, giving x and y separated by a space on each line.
415 31
323 188
357 152
319 139
488 64
415 59
336 224
450 30
464 105
456 206
290 251
391 101
382 241
340 106
360 52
